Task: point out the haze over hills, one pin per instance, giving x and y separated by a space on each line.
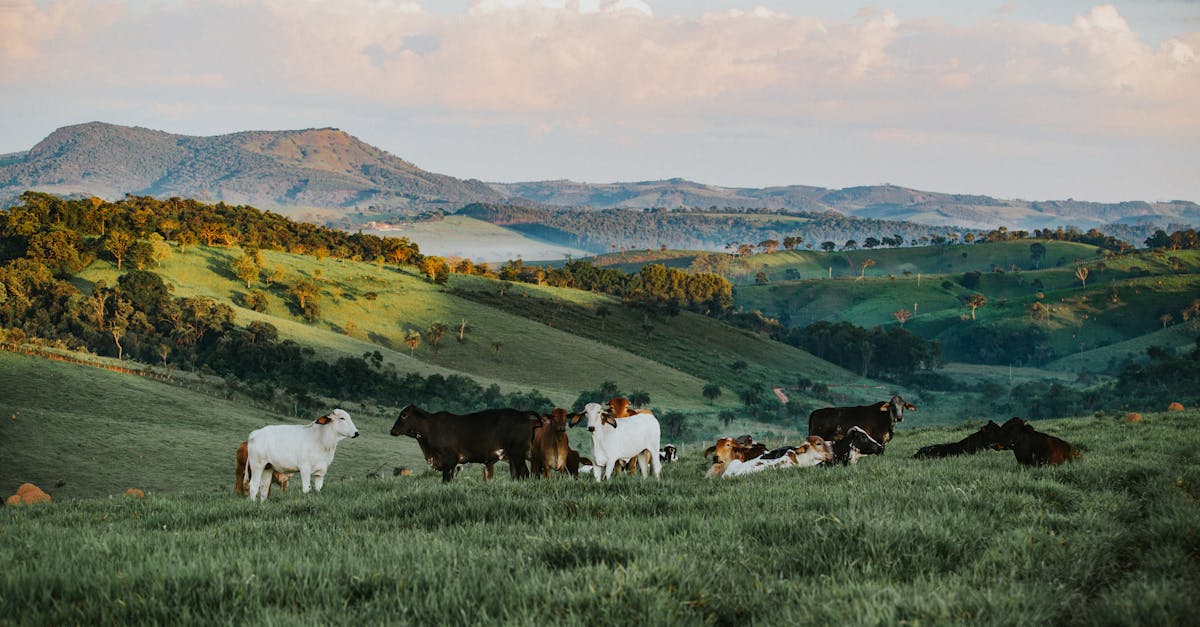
330 169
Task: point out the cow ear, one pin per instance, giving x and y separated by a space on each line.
573 419
910 407
610 420
884 407
324 420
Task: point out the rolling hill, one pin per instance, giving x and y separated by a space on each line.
303 169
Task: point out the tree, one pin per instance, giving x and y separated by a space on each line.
1166 319
902 316
712 392
118 322
413 339
160 249
975 301
435 332
828 246
1082 274
769 245
1037 252
866 263
603 312
850 245
462 331
118 244
257 300
245 268
870 242
305 290
639 398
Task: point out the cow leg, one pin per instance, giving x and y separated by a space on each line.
256 477
518 469
305 479
655 465
608 468
320 479
489 470
448 472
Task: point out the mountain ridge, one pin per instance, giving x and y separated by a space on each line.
329 169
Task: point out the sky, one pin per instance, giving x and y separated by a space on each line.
1029 100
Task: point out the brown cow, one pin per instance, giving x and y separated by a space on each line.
576 462
1034 448
242 487
619 408
726 450
549 449
988 436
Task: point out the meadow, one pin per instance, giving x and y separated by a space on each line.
1114 539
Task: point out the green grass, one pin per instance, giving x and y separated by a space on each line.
1113 539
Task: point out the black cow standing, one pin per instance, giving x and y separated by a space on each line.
878 420
485 437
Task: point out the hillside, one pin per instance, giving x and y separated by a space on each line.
1126 297
882 202
312 168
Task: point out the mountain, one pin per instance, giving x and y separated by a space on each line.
883 202
331 170
324 168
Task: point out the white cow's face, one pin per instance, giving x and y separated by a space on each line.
595 416
339 420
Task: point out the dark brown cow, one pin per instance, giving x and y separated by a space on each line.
878 420
549 448
988 436
484 437
1034 448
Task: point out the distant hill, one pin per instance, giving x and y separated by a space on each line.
882 202
351 183
323 168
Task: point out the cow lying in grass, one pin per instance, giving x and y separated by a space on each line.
728 457
856 444
987 437
1034 448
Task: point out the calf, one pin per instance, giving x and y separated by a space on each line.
549 448
577 463
241 487
727 450
1034 448
807 454
668 454
988 436
856 444
484 437
306 449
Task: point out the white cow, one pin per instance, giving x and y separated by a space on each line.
306 449
620 438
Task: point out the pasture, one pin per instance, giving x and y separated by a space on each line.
1114 539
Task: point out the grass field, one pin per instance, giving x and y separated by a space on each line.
1114 539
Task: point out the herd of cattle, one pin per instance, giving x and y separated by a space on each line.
623 439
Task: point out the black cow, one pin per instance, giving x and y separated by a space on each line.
484 437
878 420
856 444
988 436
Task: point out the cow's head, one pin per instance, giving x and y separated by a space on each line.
281 479
896 406
339 420
990 436
723 451
618 406
670 453
822 448
558 419
597 416
406 422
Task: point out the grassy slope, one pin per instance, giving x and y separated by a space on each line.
1112 539
533 354
100 432
1082 318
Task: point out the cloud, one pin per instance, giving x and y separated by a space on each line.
614 63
